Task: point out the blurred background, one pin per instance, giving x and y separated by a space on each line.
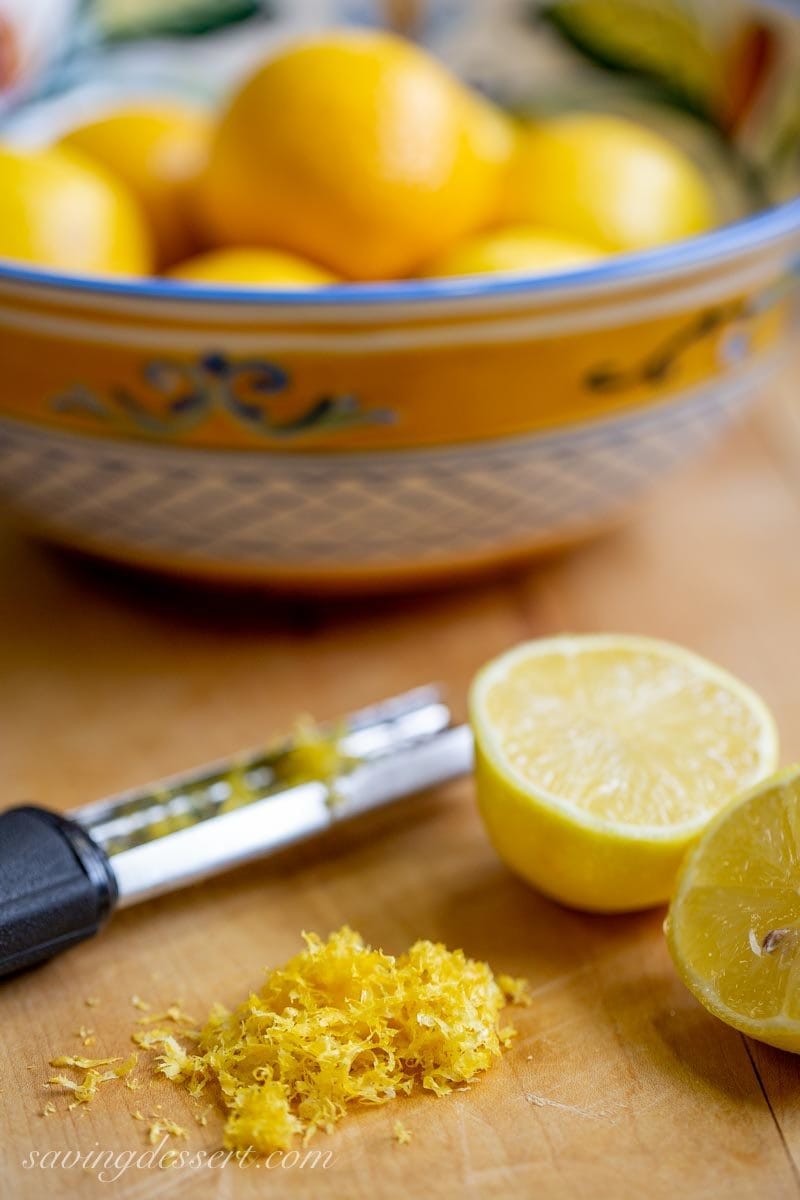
382 310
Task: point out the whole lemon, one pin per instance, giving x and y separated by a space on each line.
248 266
358 150
157 152
59 210
609 180
515 248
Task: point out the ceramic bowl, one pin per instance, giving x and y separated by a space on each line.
370 435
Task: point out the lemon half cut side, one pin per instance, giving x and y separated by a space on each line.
733 928
601 758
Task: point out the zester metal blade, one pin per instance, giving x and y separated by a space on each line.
196 824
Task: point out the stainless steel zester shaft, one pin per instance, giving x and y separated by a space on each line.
60 877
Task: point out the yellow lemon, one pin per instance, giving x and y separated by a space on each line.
157 152
600 759
608 180
59 210
250 267
734 924
358 150
515 248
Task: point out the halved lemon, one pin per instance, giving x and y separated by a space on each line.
600 760
733 928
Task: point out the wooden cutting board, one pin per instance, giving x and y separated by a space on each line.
619 1085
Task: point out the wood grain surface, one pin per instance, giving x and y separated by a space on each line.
619 1085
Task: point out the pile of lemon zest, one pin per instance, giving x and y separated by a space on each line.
138 1116
139 1003
515 990
89 1041
400 1134
48 1109
342 1024
83 1032
132 1083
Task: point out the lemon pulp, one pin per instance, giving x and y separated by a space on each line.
600 759
734 924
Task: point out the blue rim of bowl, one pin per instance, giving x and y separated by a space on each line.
761 229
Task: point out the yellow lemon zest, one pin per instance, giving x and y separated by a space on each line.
160 1125
73 1060
174 1013
85 1090
515 990
339 1024
401 1134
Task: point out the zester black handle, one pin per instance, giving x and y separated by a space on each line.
56 886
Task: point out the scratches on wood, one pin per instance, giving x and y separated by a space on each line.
762 1087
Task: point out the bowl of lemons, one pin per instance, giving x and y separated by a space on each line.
383 309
